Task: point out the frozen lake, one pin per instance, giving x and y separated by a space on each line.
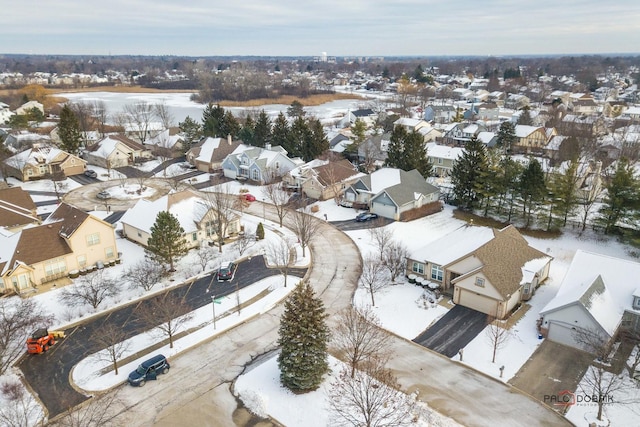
181 105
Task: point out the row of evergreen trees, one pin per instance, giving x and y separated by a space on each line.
302 137
495 184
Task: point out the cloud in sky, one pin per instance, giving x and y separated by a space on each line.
308 27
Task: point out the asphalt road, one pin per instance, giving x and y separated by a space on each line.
48 374
457 328
352 224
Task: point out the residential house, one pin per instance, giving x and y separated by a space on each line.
27 106
23 139
339 142
429 133
516 101
196 216
115 151
208 154
392 193
367 115
293 179
461 133
442 158
257 164
42 161
329 180
529 139
69 239
167 143
582 125
584 106
372 153
409 124
17 209
488 270
439 113
599 293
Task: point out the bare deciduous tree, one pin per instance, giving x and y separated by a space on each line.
18 319
163 113
394 258
145 274
279 198
497 336
112 340
223 202
19 408
305 226
373 278
97 412
380 235
91 289
282 254
371 398
358 337
244 241
169 310
138 117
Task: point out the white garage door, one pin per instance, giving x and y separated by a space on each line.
386 211
478 302
562 334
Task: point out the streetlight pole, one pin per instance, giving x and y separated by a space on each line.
213 306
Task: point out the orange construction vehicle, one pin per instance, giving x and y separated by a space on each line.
41 339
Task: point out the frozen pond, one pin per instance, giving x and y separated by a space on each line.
181 106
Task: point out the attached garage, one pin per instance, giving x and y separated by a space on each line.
477 301
563 334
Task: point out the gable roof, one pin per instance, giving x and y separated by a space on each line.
16 207
410 188
452 246
620 279
66 219
334 172
214 150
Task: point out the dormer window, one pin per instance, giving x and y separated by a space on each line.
636 302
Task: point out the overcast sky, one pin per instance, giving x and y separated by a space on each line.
310 27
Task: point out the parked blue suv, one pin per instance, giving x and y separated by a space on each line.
149 370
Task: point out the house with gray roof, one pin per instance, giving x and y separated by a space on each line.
392 193
256 164
599 294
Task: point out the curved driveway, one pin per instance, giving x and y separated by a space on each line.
198 390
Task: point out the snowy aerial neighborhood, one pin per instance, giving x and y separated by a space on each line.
422 246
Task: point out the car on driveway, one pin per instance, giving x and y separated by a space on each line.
149 370
103 195
90 173
366 216
226 271
248 197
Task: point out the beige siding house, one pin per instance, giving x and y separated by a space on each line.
115 151
196 217
42 161
68 240
488 270
208 154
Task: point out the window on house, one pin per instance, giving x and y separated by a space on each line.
636 303
108 252
439 161
139 234
194 237
21 281
255 175
54 267
417 267
480 282
436 273
526 288
93 239
82 261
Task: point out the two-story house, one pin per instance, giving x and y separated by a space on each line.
69 239
529 139
442 158
260 165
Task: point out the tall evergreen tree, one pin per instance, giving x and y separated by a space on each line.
506 136
533 188
395 150
563 187
191 133
303 336
247 132
69 131
298 139
359 129
229 125
525 117
262 130
468 173
318 143
280 133
622 199
415 156
212 118
506 182
296 110
166 243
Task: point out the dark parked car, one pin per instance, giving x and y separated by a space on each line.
90 173
366 216
226 271
104 195
149 370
